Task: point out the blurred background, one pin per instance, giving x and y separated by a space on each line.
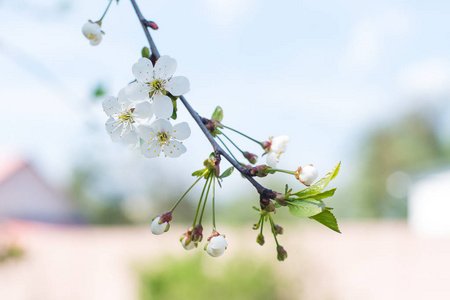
362 82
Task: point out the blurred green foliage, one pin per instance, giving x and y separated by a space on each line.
200 278
11 252
411 145
99 91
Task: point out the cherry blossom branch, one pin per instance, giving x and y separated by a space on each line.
217 149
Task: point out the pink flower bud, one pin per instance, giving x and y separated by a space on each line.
197 233
278 229
252 158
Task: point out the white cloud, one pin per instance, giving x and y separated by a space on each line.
429 78
372 35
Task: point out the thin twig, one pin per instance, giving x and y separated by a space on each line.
155 53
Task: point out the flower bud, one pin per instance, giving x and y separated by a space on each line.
216 246
158 226
307 174
260 239
266 145
252 158
260 171
187 243
92 32
256 226
197 233
280 199
274 149
152 25
281 253
277 229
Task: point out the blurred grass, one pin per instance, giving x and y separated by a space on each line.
200 277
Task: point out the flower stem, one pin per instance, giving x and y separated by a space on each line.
214 205
273 230
106 10
199 203
261 220
250 138
232 142
283 171
231 153
181 198
211 178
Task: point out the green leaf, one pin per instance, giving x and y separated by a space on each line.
145 52
227 172
320 185
217 114
199 173
328 219
323 195
306 207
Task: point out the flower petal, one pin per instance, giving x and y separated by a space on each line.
181 131
123 99
150 149
178 85
272 159
114 128
174 149
130 137
279 144
96 40
165 67
143 70
138 91
218 242
145 132
142 112
162 106
111 106
89 29
161 125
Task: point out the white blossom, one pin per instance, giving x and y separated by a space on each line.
125 118
161 136
307 174
189 246
278 146
92 32
154 83
216 246
157 228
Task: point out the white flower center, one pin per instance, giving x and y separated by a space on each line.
157 85
163 137
127 117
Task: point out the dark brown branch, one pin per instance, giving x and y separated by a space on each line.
217 149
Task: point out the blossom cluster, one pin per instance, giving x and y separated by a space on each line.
131 112
140 117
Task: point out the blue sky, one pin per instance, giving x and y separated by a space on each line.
322 72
